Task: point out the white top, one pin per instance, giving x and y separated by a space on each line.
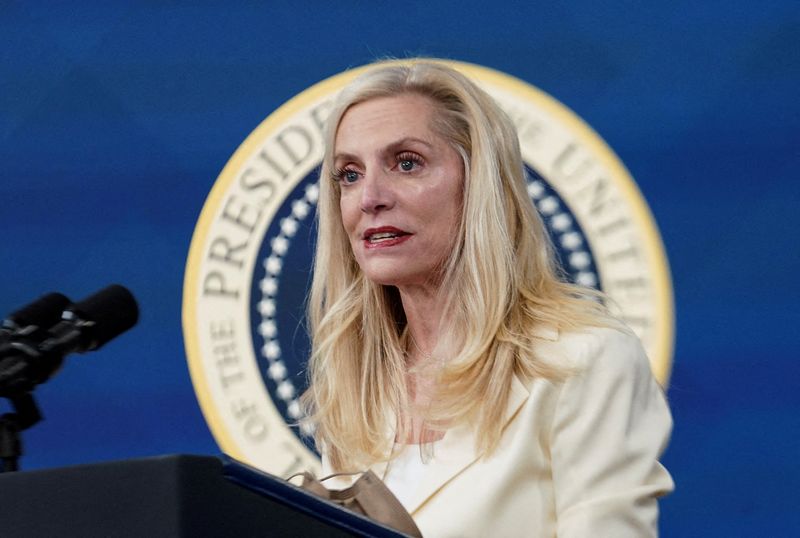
406 470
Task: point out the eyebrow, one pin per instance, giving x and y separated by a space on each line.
392 147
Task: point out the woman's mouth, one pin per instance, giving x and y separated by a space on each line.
385 236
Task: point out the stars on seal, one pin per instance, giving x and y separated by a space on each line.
267 329
586 278
285 391
267 307
277 371
269 285
300 209
561 222
571 240
280 245
564 231
307 428
580 259
535 189
271 350
312 193
289 226
548 206
273 265
294 410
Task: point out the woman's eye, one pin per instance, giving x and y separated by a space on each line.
407 162
346 175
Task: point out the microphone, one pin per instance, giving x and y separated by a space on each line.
85 326
89 324
41 314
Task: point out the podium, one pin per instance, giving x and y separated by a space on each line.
169 496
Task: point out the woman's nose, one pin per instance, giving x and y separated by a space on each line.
376 193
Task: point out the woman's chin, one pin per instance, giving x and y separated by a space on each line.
401 280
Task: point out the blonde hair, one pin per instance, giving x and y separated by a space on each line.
503 283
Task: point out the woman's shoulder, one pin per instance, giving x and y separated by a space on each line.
587 350
608 378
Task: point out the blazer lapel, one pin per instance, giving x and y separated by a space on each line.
456 451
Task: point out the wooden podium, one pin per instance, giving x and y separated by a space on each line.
169 496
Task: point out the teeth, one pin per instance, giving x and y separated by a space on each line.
382 236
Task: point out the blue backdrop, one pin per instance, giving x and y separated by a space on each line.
116 117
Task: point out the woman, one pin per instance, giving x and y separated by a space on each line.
493 398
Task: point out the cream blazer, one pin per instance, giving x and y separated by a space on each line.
577 458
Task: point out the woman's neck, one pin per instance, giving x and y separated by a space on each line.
426 351
424 311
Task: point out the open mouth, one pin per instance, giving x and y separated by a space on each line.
382 237
386 236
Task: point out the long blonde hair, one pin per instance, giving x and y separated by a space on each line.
503 283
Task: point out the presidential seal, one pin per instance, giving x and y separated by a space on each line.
250 260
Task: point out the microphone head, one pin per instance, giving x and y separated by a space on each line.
107 314
44 312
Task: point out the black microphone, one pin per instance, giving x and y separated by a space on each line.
85 326
89 324
41 314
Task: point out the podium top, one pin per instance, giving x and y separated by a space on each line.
298 499
169 496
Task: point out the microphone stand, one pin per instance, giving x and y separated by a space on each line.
25 415
32 355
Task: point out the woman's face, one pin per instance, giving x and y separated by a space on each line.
401 187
